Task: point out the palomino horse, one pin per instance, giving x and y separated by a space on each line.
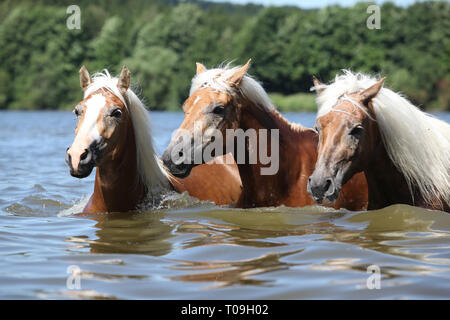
113 134
226 99
404 152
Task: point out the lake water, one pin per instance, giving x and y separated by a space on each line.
196 250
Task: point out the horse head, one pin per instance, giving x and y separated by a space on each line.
347 136
102 123
210 110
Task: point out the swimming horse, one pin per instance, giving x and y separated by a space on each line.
227 98
113 134
364 127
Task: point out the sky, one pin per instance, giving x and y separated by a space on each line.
309 4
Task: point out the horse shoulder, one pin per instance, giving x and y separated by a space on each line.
216 181
302 163
95 205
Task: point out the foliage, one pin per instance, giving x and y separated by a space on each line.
294 102
160 41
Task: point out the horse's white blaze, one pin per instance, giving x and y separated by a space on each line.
89 128
88 132
152 172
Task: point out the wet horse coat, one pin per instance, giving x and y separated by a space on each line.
113 135
404 153
227 98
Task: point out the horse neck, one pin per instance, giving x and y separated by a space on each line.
297 148
118 186
386 184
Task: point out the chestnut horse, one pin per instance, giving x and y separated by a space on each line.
113 134
225 99
404 152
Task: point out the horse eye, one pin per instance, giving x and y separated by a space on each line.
77 112
116 113
219 110
357 131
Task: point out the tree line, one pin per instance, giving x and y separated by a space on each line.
160 41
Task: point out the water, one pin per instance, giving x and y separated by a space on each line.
196 250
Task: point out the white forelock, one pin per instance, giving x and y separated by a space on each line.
151 170
417 143
217 79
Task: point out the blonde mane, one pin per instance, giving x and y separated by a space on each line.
217 79
151 170
416 142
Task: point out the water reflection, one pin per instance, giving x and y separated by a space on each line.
265 253
223 274
221 247
396 230
137 233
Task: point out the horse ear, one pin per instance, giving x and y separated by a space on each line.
318 86
200 68
237 77
124 80
85 78
371 92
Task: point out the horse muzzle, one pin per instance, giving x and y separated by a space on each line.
322 187
80 164
181 170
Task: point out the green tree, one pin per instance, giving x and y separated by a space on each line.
161 41
154 69
109 46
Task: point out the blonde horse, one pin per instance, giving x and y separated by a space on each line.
225 99
113 134
363 127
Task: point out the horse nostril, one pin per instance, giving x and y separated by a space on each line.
180 154
327 184
84 155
